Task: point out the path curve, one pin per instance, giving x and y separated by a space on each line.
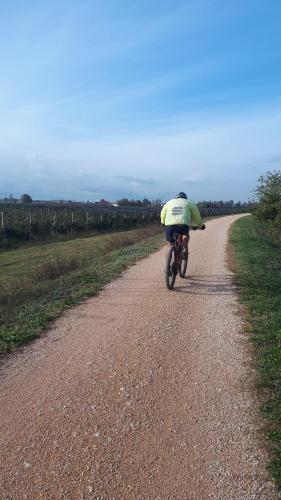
139 393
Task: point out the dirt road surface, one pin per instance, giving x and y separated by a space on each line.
139 393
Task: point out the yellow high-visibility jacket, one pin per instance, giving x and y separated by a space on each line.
180 211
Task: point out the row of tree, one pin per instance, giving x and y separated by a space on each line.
226 204
125 202
202 204
25 198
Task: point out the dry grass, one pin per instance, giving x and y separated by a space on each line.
56 261
56 266
37 283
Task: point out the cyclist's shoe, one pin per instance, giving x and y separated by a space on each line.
184 253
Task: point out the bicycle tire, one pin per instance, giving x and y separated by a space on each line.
183 267
171 271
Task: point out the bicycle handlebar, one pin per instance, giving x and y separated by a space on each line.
195 228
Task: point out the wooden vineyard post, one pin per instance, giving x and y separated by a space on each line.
65 220
2 225
87 220
72 220
30 226
54 223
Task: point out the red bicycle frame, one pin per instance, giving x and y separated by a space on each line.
178 248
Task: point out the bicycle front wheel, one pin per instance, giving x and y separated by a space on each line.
171 269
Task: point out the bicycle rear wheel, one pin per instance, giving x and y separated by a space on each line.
171 269
183 266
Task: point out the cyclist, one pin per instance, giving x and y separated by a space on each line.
176 216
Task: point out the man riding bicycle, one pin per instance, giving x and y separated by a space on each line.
176 216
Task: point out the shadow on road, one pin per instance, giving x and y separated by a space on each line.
207 285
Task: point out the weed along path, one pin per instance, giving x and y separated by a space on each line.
139 393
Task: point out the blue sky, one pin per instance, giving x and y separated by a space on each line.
139 99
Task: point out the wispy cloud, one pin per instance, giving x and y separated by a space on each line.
196 176
206 161
135 180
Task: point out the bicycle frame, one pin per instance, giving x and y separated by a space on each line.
178 248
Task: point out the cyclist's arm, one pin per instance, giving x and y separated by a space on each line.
163 214
195 214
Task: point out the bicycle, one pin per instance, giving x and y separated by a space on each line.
176 262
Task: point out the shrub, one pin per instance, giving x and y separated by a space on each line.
56 266
26 198
268 209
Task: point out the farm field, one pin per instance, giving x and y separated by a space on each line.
39 281
19 222
33 222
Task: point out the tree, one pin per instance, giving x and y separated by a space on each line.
26 198
157 202
268 208
146 202
269 187
104 202
268 194
124 202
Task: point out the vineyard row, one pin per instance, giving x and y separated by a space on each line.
28 222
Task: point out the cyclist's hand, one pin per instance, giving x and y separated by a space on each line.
203 227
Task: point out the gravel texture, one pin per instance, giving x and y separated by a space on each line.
139 393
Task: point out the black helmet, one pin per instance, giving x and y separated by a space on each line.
181 195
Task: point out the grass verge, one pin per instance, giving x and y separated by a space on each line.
38 283
258 274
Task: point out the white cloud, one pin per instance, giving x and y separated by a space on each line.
194 177
36 161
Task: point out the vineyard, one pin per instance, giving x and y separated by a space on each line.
35 221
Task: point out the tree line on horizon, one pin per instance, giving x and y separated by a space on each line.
226 204
146 203
203 204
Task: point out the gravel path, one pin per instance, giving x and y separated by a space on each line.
140 393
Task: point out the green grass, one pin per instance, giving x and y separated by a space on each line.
39 282
258 274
